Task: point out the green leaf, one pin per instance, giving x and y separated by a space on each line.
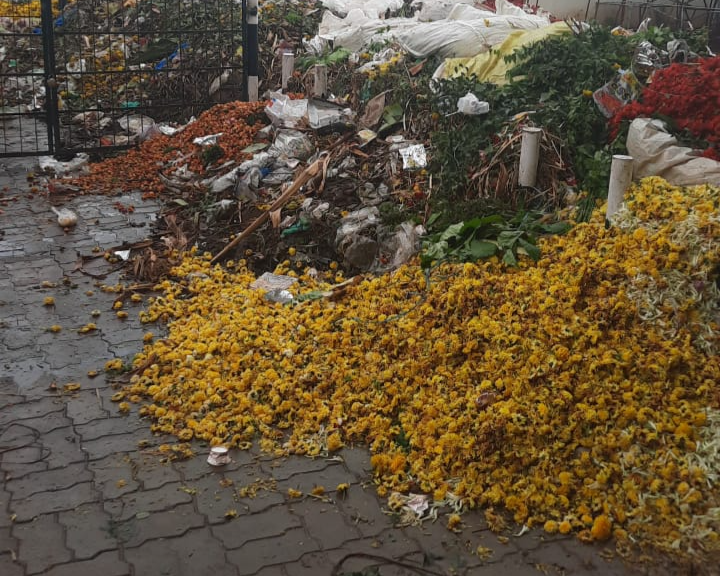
339 55
453 231
556 228
509 258
478 249
433 252
432 219
508 238
531 250
393 114
485 221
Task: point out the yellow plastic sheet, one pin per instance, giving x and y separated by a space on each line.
491 66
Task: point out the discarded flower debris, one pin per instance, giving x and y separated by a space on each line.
545 390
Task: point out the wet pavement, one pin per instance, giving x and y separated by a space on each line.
84 490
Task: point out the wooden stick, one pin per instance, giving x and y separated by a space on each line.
305 176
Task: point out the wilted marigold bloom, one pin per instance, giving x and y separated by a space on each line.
602 528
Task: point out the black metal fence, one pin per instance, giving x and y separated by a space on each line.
96 75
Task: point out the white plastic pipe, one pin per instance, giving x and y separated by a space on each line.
253 89
529 156
621 173
288 67
320 84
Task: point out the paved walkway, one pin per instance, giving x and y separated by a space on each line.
84 491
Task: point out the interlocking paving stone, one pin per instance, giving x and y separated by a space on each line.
113 475
32 409
48 481
164 524
54 501
105 564
196 553
324 522
275 521
213 499
108 426
88 530
363 511
288 547
129 505
152 473
328 477
41 544
62 447
8 567
107 445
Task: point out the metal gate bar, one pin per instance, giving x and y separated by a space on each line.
23 130
113 69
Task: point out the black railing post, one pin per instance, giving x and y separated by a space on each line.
250 50
51 85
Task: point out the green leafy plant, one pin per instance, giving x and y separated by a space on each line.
490 236
328 58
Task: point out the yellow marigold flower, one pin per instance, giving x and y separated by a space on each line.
124 407
292 251
148 337
92 373
398 463
49 301
113 365
564 527
117 305
602 528
55 328
551 527
454 522
294 493
318 491
343 487
136 297
121 314
334 442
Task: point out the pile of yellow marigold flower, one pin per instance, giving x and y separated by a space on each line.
579 393
25 9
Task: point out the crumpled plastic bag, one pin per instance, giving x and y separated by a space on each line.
647 59
402 245
470 105
286 113
433 10
372 8
655 152
290 144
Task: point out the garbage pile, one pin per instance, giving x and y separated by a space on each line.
579 394
373 264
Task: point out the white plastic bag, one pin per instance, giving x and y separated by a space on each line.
464 38
285 112
470 105
373 8
657 153
432 10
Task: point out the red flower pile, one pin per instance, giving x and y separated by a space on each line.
689 94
